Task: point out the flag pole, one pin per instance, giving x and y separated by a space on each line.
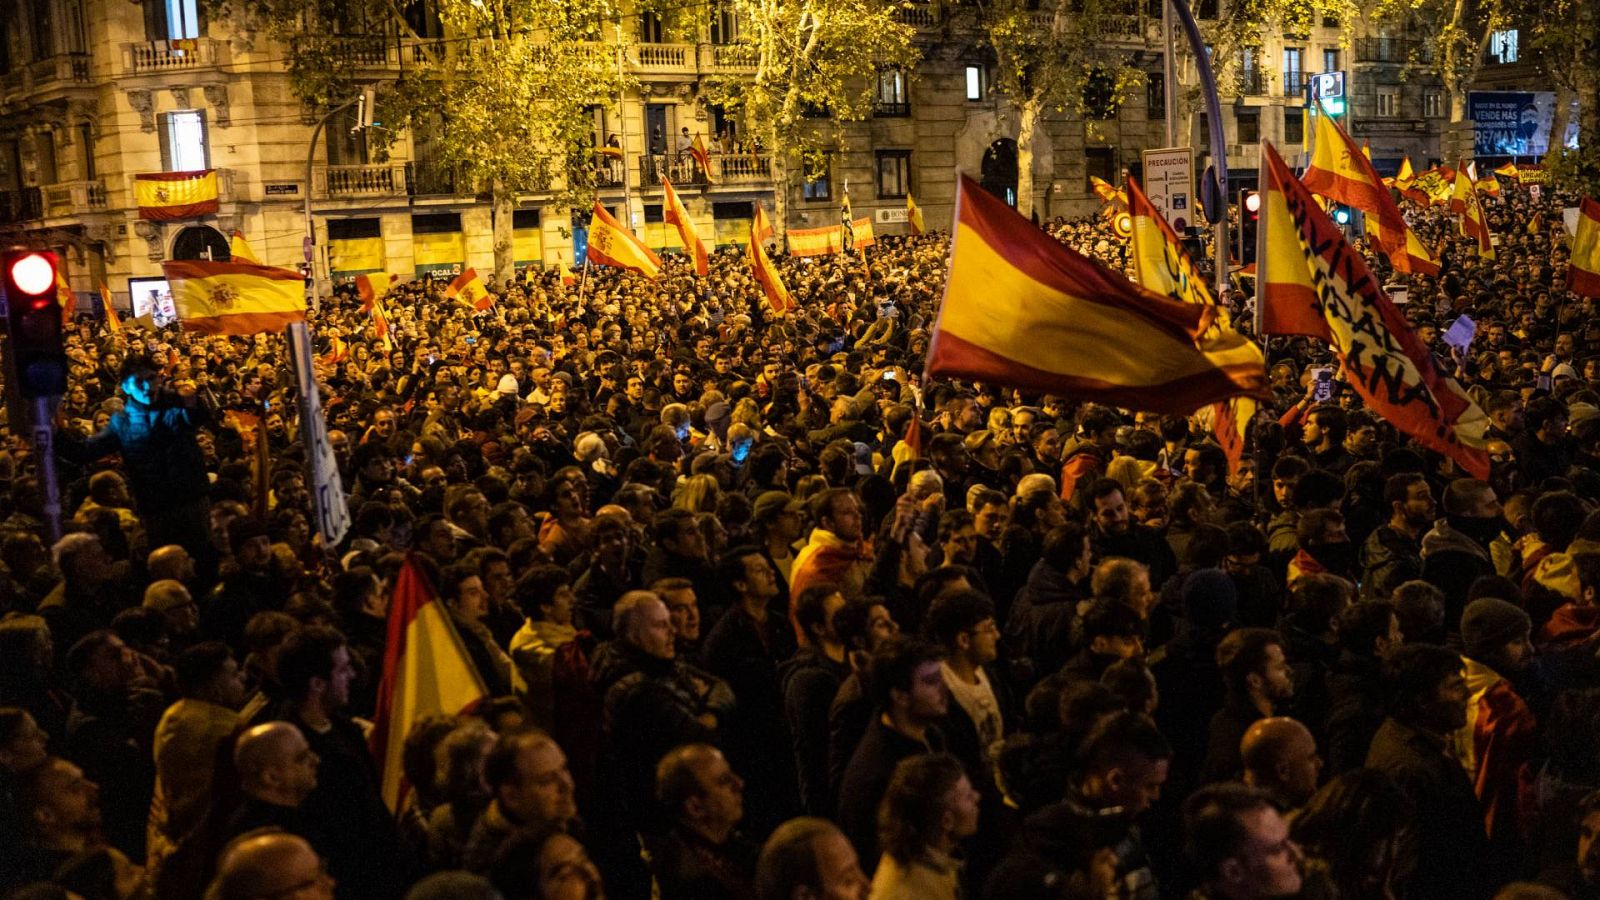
583 286
1259 317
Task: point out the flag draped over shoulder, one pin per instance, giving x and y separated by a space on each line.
239 248
426 672
1023 310
1342 171
468 290
1583 272
1310 282
164 196
673 213
234 297
914 216
766 275
611 244
1162 267
1464 200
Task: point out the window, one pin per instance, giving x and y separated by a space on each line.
1100 95
184 147
1100 162
1249 122
818 186
1294 125
183 19
1503 46
86 152
44 148
1433 104
1155 96
347 144
977 82
894 173
1330 60
724 24
891 98
42 26
1388 101
651 29
354 229
1294 71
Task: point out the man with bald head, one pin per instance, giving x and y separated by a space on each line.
267 864
277 771
176 605
170 561
1280 756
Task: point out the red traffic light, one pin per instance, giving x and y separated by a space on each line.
1252 201
33 274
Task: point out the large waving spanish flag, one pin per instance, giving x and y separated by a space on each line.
1583 272
766 275
830 239
163 196
1162 267
1311 282
234 297
1342 171
673 213
1023 310
1464 200
426 672
468 290
610 244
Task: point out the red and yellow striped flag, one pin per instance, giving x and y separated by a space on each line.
673 213
1311 282
766 275
1342 171
426 672
468 290
1464 200
697 149
373 285
829 239
914 216
1508 170
611 244
1489 187
1583 270
163 196
113 321
1023 310
239 248
65 298
761 226
565 272
1106 192
234 297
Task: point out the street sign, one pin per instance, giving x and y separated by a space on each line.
1169 183
1327 93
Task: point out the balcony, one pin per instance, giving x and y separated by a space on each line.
727 58
360 51
1392 50
667 59
730 169
1295 83
359 182
59 71
429 179
72 198
18 206
680 170
162 57
918 15
1254 83
742 169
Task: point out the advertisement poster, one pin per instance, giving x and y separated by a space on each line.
1511 123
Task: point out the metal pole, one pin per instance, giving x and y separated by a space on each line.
311 230
1169 75
622 130
44 447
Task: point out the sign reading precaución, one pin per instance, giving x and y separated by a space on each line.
1169 183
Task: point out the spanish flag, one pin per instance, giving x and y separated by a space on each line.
468 290
697 149
1023 310
235 297
823 241
65 298
1489 187
1464 200
761 225
1162 267
163 196
1405 178
609 152
565 271
373 285
1310 282
239 248
113 321
1583 271
426 672
673 213
380 325
1508 170
610 244
1106 192
1342 171
766 275
914 216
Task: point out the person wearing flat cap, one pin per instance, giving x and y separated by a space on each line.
1501 732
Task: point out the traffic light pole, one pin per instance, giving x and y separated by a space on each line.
44 449
311 229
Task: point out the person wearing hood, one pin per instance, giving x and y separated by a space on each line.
1325 548
1456 552
1392 554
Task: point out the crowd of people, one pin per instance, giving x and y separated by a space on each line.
761 613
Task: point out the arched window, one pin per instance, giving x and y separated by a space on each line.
201 242
999 173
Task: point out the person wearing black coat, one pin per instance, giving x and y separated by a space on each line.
1042 624
1367 633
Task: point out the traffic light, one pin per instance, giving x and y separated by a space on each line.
1249 219
1341 215
33 323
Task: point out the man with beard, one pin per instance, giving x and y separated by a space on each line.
1116 535
1392 554
1256 674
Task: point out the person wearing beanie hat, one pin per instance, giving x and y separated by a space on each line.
1501 732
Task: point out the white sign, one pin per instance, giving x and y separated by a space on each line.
1169 183
327 490
891 215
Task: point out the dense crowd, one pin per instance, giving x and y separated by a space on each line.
761 613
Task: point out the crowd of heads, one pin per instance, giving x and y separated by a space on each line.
760 611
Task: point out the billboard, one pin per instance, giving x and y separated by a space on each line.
1511 123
